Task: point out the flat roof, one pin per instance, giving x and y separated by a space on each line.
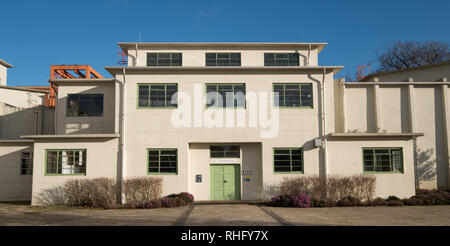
405 70
71 136
319 45
6 64
369 134
57 81
22 89
114 69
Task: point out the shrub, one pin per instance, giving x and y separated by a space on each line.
411 201
377 202
333 188
141 191
98 192
392 198
156 204
348 201
323 203
298 201
170 202
188 197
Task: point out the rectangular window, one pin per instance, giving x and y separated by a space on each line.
225 151
293 95
223 59
157 95
26 163
162 161
281 59
383 160
84 105
225 95
65 161
288 160
163 59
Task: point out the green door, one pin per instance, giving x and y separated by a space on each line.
225 182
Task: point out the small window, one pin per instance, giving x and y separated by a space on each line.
288 160
225 95
383 160
163 59
157 95
26 163
66 162
281 59
224 151
223 59
162 161
293 95
84 105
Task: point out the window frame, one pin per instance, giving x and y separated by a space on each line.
224 104
279 53
222 53
165 96
224 152
302 162
30 168
159 161
390 160
61 174
170 59
300 95
84 94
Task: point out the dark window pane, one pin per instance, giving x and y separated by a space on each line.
162 161
84 105
288 160
223 59
164 59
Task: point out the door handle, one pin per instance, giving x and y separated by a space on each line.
224 181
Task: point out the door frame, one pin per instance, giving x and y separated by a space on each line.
238 190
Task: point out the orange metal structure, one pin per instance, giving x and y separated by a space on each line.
68 72
122 56
362 71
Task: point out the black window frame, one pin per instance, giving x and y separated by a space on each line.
173 59
225 151
76 98
290 156
228 59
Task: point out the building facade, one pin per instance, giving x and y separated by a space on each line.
229 121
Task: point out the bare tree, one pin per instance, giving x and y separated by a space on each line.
401 55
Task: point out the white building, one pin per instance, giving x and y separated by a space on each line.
130 125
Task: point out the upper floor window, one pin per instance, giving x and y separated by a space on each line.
281 59
157 95
65 161
84 105
223 59
26 163
288 160
383 160
293 95
225 95
164 59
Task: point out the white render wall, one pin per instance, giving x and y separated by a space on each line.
250 56
87 124
101 161
13 185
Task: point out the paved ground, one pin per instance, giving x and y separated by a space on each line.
226 214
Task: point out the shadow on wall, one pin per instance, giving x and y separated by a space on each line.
88 124
15 122
51 196
426 167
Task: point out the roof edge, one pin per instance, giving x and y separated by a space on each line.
71 136
4 63
404 70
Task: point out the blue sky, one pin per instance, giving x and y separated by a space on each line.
36 34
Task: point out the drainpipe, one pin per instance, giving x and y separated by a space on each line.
122 152
309 52
323 130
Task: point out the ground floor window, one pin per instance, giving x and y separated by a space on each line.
224 151
288 160
162 161
26 163
383 160
65 162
